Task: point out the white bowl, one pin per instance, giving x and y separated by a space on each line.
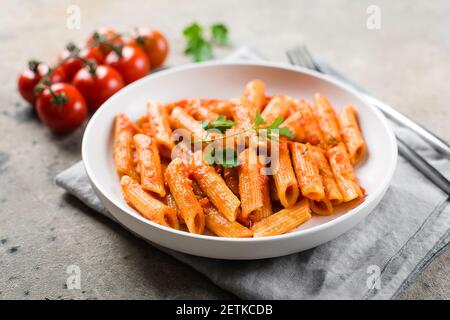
226 80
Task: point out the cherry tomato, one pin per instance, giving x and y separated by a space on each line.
97 84
71 65
61 107
132 63
58 75
154 44
105 34
31 76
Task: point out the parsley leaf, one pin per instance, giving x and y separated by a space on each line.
276 123
219 33
193 31
205 124
199 49
226 157
198 46
274 130
202 51
221 124
286 132
259 121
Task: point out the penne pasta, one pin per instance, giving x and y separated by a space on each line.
215 188
123 147
283 221
293 123
222 227
143 120
149 207
181 189
262 174
171 203
351 135
147 129
164 165
249 183
183 151
266 209
273 190
252 109
332 191
149 164
307 172
180 119
254 93
327 119
322 207
172 105
200 112
278 106
284 177
221 107
231 177
197 190
160 128
343 172
241 114
313 133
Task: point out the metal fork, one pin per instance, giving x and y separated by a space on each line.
300 56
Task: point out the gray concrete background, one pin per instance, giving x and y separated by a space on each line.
43 231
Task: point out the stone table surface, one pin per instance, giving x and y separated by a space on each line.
43 231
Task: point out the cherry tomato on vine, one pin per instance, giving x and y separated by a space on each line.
61 107
71 64
97 84
57 75
153 43
131 62
31 76
105 37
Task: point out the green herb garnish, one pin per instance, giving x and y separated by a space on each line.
225 157
221 124
271 132
198 46
219 33
259 121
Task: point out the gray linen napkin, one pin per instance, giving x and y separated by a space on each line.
374 260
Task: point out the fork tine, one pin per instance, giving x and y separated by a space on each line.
300 56
296 58
290 57
301 59
307 56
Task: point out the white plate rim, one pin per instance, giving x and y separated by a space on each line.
314 229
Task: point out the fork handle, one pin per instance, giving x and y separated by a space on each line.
436 142
423 166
